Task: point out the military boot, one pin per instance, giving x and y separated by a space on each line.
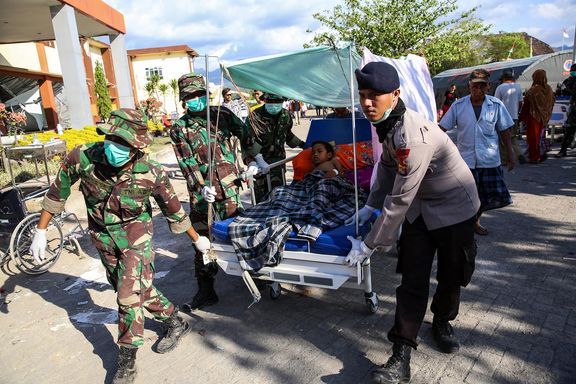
397 368
177 328
444 336
126 372
205 296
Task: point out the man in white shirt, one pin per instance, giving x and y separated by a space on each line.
482 120
510 94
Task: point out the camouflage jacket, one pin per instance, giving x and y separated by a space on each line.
268 134
190 142
116 199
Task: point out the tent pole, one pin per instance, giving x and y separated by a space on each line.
574 47
208 120
357 231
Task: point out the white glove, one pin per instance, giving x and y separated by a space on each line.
262 164
359 252
252 170
38 246
365 213
202 244
209 194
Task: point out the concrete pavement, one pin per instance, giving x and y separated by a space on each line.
517 321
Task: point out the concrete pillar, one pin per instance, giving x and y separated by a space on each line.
122 71
73 72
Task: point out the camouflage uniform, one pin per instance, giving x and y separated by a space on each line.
120 219
190 142
272 133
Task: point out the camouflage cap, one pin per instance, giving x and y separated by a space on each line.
272 98
128 124
191 83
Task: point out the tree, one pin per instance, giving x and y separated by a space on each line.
505 45
175 92
163 88
103 101
151 87
391 28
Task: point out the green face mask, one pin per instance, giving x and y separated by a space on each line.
116 154
196 104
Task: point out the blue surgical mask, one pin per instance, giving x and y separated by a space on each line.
573 73
386 113
273 109
116 154
196 104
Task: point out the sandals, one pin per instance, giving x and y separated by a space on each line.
480 230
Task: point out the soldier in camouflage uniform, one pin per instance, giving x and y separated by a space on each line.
270 128
190 142
117 180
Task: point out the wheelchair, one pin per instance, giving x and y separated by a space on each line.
17 228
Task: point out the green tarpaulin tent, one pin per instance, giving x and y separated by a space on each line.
319 76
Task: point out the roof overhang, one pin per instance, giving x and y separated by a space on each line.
30 20
163 50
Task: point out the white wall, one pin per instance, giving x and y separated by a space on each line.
22 55
95 55
173 66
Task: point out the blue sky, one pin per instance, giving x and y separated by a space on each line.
242 29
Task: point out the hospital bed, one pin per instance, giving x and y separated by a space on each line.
317 264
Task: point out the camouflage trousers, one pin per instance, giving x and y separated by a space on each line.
130 271
199 218
261 183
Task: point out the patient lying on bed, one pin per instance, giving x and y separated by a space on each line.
317 203
324 159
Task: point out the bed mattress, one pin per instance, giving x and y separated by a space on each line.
332 242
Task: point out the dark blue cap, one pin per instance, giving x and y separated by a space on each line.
379 76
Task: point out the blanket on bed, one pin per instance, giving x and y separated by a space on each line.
309 207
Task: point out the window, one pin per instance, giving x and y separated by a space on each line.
154 71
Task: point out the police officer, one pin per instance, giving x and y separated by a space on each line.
424 185
189 137
269 129
569 87
117 180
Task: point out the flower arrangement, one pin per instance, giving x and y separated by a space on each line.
11 120
73 137
150 107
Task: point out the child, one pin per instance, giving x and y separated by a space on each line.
324 160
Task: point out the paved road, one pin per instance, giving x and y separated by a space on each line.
517 320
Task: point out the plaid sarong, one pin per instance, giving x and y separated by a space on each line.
310 206
492 190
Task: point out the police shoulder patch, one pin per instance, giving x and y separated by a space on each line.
402 154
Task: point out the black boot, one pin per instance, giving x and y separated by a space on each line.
397 368
177 328
444 336
561 153
205 296
126 372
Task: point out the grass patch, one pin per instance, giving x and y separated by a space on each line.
159 143
26 170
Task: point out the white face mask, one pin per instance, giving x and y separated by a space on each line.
386 113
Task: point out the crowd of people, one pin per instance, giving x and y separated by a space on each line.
435 189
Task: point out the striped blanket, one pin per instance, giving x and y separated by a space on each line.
308 207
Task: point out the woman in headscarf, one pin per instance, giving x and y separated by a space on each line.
536 112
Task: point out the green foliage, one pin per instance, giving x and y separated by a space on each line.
163 89
497 47
151 87
103 101
431 28
174 88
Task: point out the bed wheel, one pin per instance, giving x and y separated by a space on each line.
371 302
275 291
